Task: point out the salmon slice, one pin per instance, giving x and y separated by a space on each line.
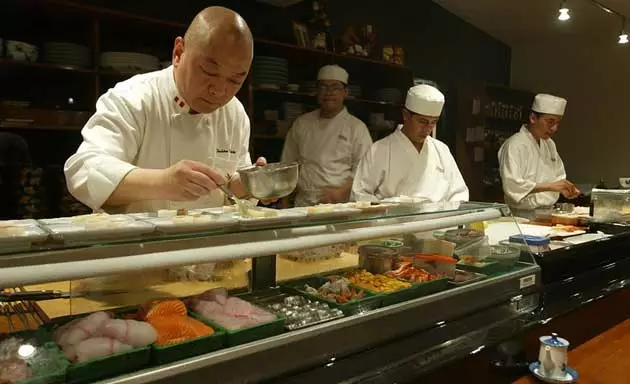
166 308
177 329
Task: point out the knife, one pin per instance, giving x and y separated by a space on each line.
53 295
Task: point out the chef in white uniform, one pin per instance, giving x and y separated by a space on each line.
328 143
410 162
532 171
166 139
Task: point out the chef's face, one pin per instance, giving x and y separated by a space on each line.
544 126
331 94
417 127
209 75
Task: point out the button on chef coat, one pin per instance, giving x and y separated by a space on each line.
523 164
393 167
328 151
144 122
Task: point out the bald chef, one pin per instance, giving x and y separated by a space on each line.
410 162
166 139
328 143
532 171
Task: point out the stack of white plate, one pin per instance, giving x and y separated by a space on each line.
354 91
390 95
309 87
292 110
272 72
129 61
67 54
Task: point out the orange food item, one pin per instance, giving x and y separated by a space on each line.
161 308
177 328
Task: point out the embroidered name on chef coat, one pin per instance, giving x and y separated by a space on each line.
226 151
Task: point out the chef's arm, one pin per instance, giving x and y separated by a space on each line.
366 180
138 185
111 140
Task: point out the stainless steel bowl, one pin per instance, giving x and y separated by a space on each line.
376 258
271 181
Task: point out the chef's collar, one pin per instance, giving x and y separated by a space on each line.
177 101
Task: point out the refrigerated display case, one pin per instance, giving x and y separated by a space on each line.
118 263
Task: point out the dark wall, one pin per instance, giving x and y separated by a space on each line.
438 45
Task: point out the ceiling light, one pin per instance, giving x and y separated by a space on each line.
563 12
623 35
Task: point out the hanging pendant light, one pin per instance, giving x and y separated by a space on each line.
563 12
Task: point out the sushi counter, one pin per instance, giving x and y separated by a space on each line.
280 297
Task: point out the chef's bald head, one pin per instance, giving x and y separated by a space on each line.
213 58
218 23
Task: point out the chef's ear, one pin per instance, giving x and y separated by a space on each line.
178 50
533 117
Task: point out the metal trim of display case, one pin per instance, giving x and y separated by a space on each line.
307 348
70 264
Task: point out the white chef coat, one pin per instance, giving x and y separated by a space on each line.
328 151
144 122
393 167
523 164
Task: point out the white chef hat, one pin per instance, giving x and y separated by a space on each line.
425 100
333 72
549 104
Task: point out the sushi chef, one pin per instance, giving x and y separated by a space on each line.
410 162
532 171
328 143
166 139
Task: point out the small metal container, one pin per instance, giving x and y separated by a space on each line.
376 258
271 181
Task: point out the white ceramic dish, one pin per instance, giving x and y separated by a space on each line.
82 233
571 375
83 218
284 217
191 224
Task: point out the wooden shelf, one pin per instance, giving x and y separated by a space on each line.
55 67
40 127
329 53
310 95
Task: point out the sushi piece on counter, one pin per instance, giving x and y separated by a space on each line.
229 312
99 335
171 321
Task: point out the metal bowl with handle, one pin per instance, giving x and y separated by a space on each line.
271 181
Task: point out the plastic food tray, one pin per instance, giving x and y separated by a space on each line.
190 348
40 376
370 301
413 292
107 366
248 334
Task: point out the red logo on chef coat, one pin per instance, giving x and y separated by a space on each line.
179 101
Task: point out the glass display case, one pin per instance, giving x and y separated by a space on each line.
225 295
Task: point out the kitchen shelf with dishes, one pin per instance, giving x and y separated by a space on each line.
488 115
179 280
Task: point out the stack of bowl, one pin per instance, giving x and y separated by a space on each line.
21 51
354 91
390 95
271 72
67 54
129 61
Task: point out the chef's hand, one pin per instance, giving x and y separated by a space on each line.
334 195
566 188
261 161
572 192
188 180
